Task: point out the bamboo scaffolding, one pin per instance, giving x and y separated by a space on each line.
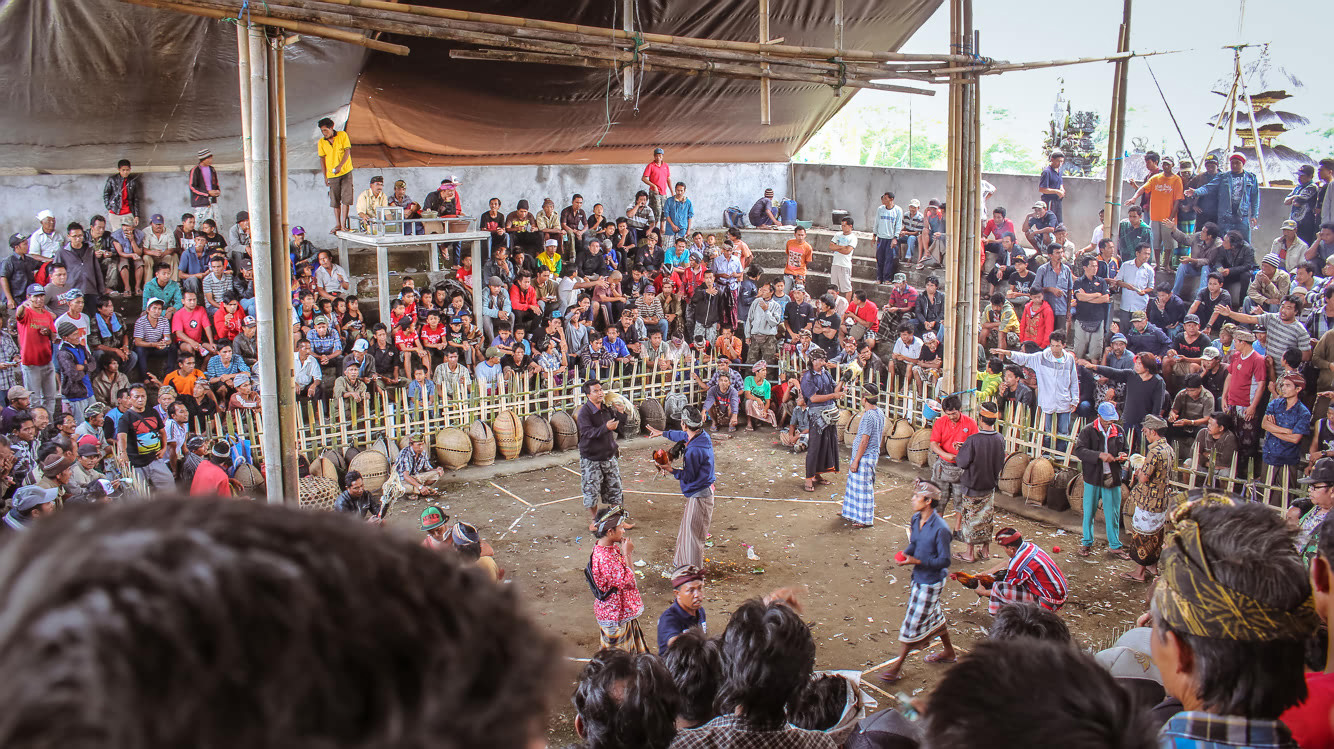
702 68
1116 135
311 29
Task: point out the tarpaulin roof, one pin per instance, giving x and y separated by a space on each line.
86 82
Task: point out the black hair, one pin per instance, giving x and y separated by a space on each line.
640 194
998 299
1165 286
820 705
326 122
588 385
952 403
1194 380
1295 300
1215 276
1211 229
999 209
1049 693
307 619
697 668
1057 335
995 365
768 655
122 162
846 220
1249 550
1293 358
626 701
906 328
1089 259
350 477
1029 620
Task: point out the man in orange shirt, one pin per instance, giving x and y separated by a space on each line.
1165 192
799 253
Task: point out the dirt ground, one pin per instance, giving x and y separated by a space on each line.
857 594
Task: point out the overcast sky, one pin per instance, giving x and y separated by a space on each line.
1030 31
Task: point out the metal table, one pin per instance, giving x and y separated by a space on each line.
381 243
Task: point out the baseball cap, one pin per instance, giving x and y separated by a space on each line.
1192 318
1306 169
297 231
450 180
494 351
360 345
32 495
242 216
321 319
1288 224
89 450
1211 157
36 289
157 219
433 517
657 151
18 391
900 277
1322 473
494 281
1139 315
1242 334
551 243
1238 156
377 178
1118 337
17 239
915 203
1210 352
1107 411
156 303
248 321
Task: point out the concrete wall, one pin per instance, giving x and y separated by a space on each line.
822 188
712 188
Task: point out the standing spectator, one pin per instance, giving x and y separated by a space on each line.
798 254
120 196
762 213
928 552
601 474
18 271
678 214
37 334
1164 192
1132 233
75 367
80 261
1325 200
1093 297
609 569
204 188
841 246
1238 196
948 433
1286 422
1058 382
1101 449
335 151
1050 184
657 177
821 393
1284 330
1233 602
980 458
1302 200
1205 206
888 226
1056 281
859 497
1135 279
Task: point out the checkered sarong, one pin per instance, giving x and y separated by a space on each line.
859 496
924 615
1003 593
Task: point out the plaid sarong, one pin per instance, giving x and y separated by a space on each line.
627 636
924 615
1003 593
859 496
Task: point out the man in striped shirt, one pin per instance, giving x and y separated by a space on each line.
1284 331
1030 576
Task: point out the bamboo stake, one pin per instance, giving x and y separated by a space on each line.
1255 132
784 50
311 29
685 67
765 90
1011 67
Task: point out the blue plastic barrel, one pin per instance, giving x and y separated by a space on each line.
787 211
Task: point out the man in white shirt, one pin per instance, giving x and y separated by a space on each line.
45 241
888 224
1136 282
840 268
330 279
307 375
907 350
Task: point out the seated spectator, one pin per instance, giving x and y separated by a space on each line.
489 372
307 376
831 703
1143 336
371 199
331 280
1234 603
625 701
224 369
695 665
246 398
413 467
1049 693
349 388
1016 620
1166 310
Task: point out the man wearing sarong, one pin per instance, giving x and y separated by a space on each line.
696 475
599 471
1149 497
1101 449
948 433
618 612
821 394
859 497
1030 576
981 459
929 554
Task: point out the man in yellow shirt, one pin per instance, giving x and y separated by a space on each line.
335 150
370 199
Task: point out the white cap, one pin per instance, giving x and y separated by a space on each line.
44 215
552 243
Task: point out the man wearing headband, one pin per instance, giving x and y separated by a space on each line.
696 475
980 458
1231 615
469 544
211 479
598 468
617 604
859 496
1101 449
1287 420
929 554
686 611
1030 576
1150 498
821 393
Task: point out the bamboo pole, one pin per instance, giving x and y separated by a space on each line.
766 91
282 138
686 67
1255 132
784 50
1232 100
243 70
628 73
1011 67
1116 141
311 29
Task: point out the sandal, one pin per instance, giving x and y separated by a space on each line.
809 488
939 658
959 556
890 678
822 480
1085 550
1133 579
1118 554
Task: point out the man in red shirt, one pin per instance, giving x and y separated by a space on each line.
658 176
865 311
227 321
37 329
1309 721
190 326
1243 392
211 479
947 435
525 304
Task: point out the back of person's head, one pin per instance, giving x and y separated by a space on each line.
1232 610
1030 620
768 656
1028 693
829 703
214 624
625 701
697 668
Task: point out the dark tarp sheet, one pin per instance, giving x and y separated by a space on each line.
84 83
429 109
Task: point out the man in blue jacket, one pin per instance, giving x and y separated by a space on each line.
1238 195
929 554
696 476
